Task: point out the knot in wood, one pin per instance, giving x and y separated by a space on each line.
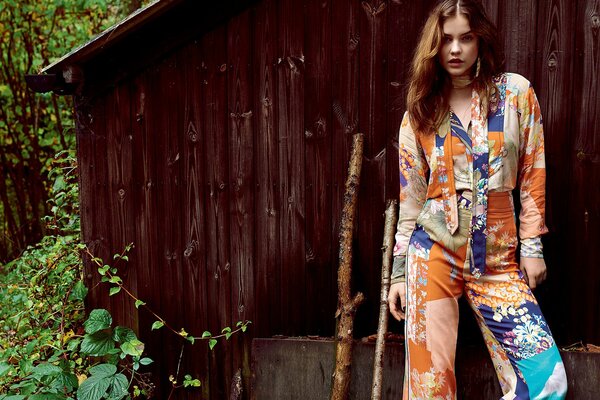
139 117
595 21
192 133
222 186
121 194
190 248
552 62
223 68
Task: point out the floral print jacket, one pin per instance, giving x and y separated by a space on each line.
503 149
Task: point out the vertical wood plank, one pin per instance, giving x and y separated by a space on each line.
401 43
90 120
491 9
268 274
320 299
144 140
241 161
290 99
584 206
345 84
194 218
372 122
554 66
517 25
120 192
214 49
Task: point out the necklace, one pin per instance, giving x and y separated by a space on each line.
463 115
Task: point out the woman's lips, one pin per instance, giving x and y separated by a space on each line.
455 63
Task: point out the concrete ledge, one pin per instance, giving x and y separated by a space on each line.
301 368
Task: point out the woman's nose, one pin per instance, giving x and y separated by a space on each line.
455 47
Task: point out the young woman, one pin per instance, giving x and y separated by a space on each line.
471 135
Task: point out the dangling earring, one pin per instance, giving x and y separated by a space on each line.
478 67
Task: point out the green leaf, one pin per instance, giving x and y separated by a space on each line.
94 387
139 303
65 382
191 339
115 279
146 361
47 396
4 368
157 325
206 334
212 343
122 334
133 347
226 330
103 370
45 369
98 320
114 290
102 270
118 387
239 323
97 344
244 327
79 291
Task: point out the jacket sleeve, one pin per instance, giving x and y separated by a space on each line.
532 175
413 191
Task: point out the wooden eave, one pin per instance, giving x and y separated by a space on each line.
111 36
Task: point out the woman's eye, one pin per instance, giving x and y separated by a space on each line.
467 38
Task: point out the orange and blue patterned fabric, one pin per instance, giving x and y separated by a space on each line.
457 235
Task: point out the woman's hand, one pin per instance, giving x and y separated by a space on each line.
534 270
397 300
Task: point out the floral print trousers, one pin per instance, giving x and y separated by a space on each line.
525 357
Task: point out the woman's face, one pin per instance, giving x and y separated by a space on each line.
459 47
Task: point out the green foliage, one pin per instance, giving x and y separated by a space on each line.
34 127
42 304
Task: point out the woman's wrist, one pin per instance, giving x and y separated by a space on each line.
398 270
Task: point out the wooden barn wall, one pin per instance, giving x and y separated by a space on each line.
224 163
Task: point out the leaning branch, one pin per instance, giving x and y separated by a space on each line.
391 217
347 304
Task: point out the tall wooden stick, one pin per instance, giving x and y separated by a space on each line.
346 304
391 218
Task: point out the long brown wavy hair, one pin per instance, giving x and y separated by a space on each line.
427 101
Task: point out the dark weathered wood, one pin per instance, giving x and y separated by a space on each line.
517 25
491 9
241 160
372 122
145 256
90 117
217 195
585 157
194 217
554 68
268 274
290 123
400 16
121 197
344 87
320 302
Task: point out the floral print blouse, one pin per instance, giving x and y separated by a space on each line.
497 153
